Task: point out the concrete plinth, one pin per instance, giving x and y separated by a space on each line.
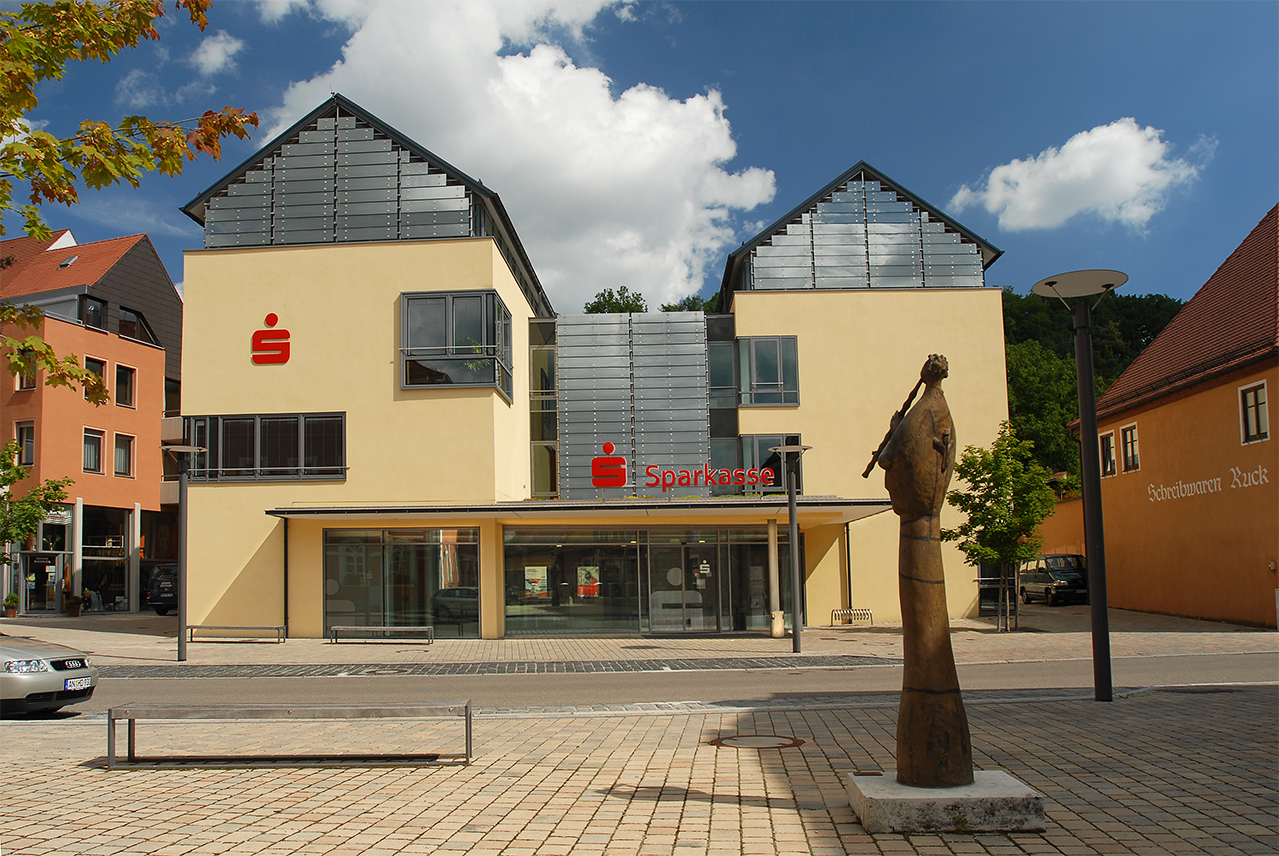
994 802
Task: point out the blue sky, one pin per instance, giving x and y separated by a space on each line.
638 143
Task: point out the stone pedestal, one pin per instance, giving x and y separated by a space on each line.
994 802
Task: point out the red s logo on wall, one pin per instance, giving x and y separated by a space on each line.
609 470
270 346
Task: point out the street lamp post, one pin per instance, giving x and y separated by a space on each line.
182 454
790 456
1084 284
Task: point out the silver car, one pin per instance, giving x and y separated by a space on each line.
41 676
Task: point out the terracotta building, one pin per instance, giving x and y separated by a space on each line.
1190 487
112 305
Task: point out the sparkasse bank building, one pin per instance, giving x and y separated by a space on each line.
401 430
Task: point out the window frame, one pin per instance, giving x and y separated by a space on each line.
102 374
24 382
1129 448
83 314
1260 408
1106 451
132 403
101 436
497 341
208 432
19 428
750 387
140 326
130 464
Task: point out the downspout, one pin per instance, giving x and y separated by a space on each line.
848 560
286 578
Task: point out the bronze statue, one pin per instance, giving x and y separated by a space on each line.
918 457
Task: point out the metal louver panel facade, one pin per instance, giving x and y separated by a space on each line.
640 382
863 235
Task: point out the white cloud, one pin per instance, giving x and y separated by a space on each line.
605 190
216 53
129 213
1120 172
139 89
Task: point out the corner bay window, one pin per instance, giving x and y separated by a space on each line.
270 448
455 338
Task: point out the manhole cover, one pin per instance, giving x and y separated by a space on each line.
757 741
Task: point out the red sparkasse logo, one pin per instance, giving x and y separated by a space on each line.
608 470
270 346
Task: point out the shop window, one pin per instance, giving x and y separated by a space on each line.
98 367
455 339
1254 421
93 451
1128 442
269 448
134 326
124 386
124 455
1108 454
768 368
93 312
25 434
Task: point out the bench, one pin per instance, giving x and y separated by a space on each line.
280 630
134 711
851 615
427 630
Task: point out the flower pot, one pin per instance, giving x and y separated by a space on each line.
10 612
73 611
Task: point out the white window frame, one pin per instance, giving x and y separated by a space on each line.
1113 460
106 371
17 436
1123 449
133 387
133 445
1243 425
102 446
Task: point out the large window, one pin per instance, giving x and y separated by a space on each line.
1128 439
769 370
25 434
456 338
1254 423
93 450
269 448
1108 453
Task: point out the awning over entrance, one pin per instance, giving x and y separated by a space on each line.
812 511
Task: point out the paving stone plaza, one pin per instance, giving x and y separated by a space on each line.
1170 769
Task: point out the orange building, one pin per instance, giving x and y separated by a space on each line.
1190 487
112 305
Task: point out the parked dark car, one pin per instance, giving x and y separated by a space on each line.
162 589
456 604
1055 579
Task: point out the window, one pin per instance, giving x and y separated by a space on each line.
93 312
124 385
1108 454
25 434
269 448
751 451
98 367
459 339
134 326
123 455
1128 440
1255 423
723 374
93 451
543 428
27 379
769 370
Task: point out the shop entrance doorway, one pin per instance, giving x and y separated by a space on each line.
41 575
683 588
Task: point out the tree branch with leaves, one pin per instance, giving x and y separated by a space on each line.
21 516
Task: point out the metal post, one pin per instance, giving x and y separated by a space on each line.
183 463
796 596
1094 538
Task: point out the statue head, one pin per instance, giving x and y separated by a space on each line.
934 369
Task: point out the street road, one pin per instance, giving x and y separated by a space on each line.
714 685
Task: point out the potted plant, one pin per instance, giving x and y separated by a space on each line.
11 605
73 606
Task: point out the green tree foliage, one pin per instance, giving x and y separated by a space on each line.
1006 498
621 301
693 303
36 44
1043 400
20 516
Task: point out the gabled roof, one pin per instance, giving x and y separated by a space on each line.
37 269
1232 321
989 252
195 209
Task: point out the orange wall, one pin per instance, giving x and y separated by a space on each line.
1208 555
1063 532
61 416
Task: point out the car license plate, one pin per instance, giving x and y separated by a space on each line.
78 683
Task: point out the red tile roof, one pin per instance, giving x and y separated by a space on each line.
36 269
1231 321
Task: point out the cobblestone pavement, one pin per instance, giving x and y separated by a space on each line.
1189 770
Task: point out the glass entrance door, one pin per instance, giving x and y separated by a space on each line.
683 588
41 572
